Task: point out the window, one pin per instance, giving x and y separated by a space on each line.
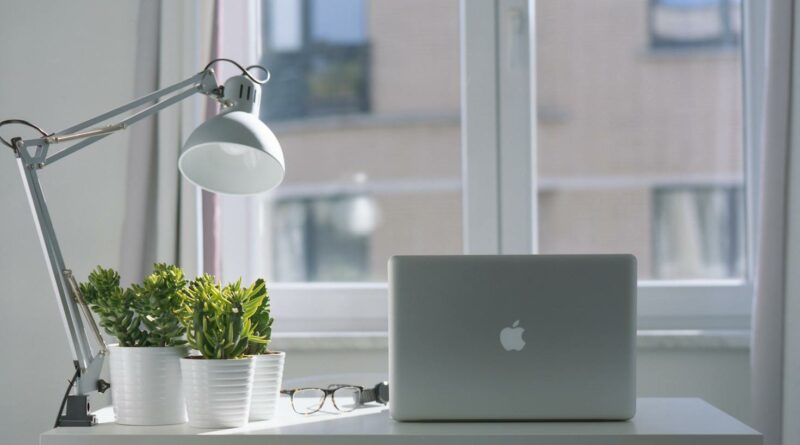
319 54
698 232
323 238
386 154
687 24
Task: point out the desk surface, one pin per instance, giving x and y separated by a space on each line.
659 421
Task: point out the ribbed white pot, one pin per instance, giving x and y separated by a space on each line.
146 385
266 385
217 391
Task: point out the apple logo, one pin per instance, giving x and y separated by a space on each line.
511 337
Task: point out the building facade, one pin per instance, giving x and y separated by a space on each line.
639 134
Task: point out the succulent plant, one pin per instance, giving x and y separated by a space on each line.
157 300
218 319
114 306
143 315
261 320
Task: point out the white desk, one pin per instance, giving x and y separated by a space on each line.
658 422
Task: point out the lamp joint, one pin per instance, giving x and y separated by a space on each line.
102 386
17 144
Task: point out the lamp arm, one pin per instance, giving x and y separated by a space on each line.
203 82
58 272
71 302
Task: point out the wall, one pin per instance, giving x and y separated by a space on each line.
718 375
62 62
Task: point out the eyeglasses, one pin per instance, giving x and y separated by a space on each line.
310 400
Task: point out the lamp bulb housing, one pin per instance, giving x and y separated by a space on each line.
234 152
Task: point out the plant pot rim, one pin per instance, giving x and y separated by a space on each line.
117 345
200 357
270 353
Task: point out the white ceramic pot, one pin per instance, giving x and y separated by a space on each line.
266 385
217 391
146 385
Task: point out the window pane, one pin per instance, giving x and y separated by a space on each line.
367 113
640 133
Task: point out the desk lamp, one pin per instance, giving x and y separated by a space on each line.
231 153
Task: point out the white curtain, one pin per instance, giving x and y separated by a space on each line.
162 208
242 218
775 354
167 218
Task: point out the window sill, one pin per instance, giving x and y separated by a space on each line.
705 52
645 340
330 341
693 339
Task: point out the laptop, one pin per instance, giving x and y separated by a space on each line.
512 337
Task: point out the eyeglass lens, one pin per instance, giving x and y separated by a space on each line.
308 400
346 398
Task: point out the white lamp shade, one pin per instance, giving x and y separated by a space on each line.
233 153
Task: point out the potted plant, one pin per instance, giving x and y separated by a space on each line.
144 365
218 383
268 364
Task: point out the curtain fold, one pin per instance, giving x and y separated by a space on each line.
775 353
161 208
138 249
167 218
210 201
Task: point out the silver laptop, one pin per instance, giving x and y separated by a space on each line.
517 337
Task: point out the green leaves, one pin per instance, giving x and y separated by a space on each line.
220 320
157 301
144 314
261 319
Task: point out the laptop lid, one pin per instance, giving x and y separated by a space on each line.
516 337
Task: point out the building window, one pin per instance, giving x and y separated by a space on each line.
318 54
698 232
687 24
325 238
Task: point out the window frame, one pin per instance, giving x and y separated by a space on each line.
673 304
499 207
